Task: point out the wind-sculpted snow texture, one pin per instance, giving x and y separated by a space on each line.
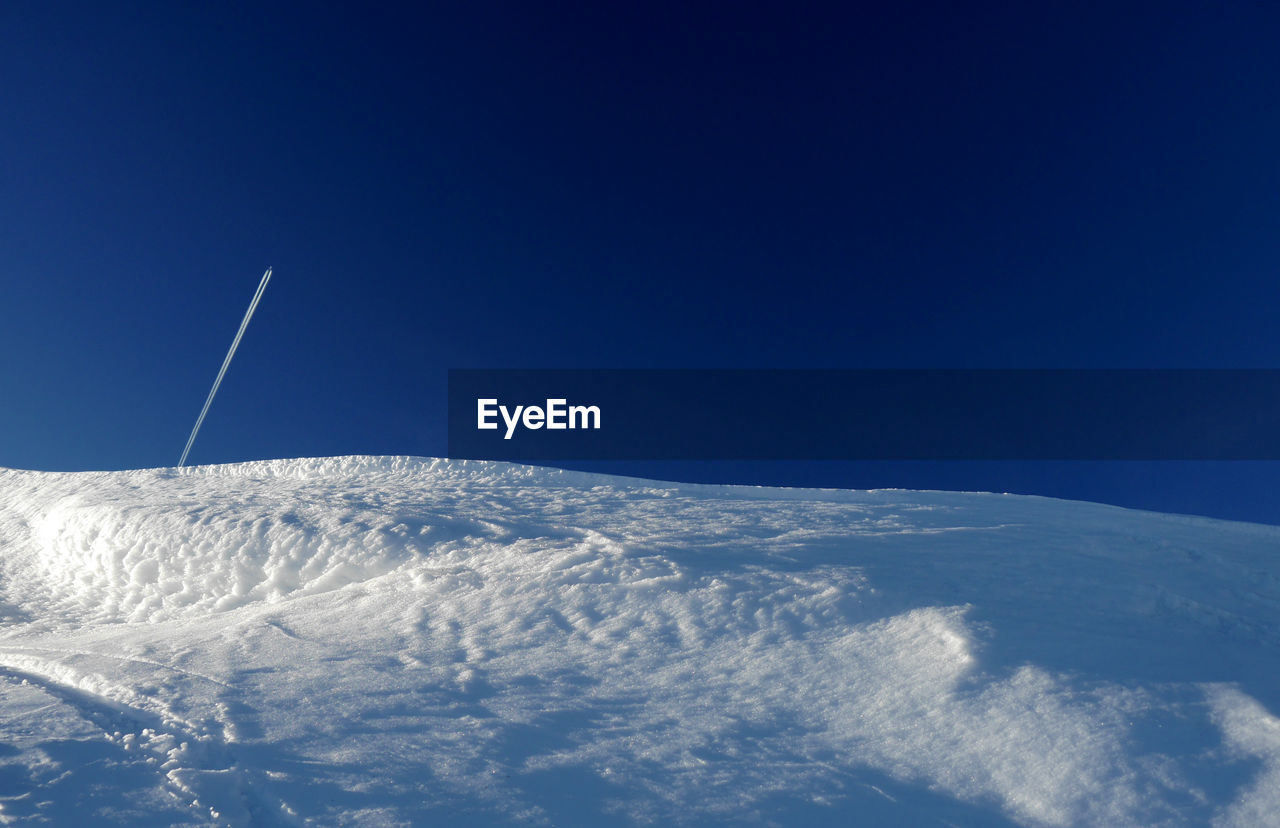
396 641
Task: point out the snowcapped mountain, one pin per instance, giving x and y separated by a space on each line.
388 641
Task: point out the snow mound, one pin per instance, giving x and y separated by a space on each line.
132 558
130 549
399 640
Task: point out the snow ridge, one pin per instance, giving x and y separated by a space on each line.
398 640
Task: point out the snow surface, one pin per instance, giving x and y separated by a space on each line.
384 641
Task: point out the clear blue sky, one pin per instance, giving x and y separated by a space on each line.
549 185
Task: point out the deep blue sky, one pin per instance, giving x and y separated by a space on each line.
528 185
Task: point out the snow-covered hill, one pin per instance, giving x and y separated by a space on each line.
372 641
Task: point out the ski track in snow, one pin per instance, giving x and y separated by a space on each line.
394 641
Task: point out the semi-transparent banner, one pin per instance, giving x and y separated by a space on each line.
531 415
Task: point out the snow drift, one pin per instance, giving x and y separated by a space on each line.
398 641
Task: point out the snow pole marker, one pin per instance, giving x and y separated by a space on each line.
235 343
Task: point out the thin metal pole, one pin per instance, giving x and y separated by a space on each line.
230 353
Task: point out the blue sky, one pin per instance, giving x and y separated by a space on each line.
529 185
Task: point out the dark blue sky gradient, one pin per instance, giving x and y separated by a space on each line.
526 185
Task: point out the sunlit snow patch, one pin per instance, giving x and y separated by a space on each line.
391 640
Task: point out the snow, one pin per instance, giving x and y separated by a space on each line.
391 641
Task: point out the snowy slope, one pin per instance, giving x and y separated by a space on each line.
372 641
